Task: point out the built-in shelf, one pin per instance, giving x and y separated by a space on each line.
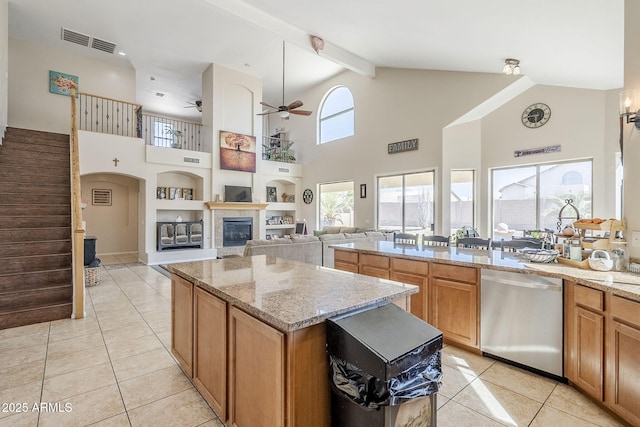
280 226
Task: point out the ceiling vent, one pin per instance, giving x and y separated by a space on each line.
87 41
75 37
102 45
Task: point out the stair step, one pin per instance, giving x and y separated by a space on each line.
34 221
34 248
36 209
7 198
35 315
21 187
36 137
36 149
26 177
44 171
35 279
35 234
51 295
20 161
23 264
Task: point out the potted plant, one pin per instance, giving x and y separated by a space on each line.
177 137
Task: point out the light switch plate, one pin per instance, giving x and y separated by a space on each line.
635 238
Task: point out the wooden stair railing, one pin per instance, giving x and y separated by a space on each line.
76 217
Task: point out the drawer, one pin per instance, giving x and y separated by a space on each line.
345 256
374 261
420 268
626 310
346 266
454 272
588 297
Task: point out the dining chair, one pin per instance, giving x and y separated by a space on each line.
474 243
514 245
405 238
435 241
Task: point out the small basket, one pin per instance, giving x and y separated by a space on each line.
542 256
91 276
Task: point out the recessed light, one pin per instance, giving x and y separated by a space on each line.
153 79
121 53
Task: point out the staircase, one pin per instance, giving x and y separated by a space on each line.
35 228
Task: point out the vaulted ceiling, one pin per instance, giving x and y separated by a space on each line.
575 43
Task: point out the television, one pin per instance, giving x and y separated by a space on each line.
233 193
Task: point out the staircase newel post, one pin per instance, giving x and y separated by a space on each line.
76 218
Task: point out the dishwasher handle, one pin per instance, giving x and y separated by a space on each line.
522 280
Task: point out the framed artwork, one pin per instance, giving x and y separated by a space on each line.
161 193
363 191
187 193
272 195
237 152
61 84
175 193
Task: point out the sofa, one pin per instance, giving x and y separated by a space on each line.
312 249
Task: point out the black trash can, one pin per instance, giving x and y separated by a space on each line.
89 249
385 369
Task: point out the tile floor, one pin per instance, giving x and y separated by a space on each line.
114 368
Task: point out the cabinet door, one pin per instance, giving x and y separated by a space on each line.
345 260
584 338
256 372
182 322
589 352
210 349
623 359
454 310
413 273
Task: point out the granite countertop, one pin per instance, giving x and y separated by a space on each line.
618 283
285 294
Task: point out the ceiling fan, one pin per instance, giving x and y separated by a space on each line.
197 105
284 110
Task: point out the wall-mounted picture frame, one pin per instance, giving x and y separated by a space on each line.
237 152
363 191
272 195
61 83
187 193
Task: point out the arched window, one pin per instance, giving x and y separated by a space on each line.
572 178
336 117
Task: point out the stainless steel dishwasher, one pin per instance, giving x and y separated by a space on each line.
521 319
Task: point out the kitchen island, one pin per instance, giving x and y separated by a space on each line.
250 332
599 311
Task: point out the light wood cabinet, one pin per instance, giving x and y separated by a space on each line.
374 265
414 273
210 349
256 372
345 260
622 384
584 338
453 303
182 322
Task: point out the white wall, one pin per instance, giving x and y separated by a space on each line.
32 106
404 104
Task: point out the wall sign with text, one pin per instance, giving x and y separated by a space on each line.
402 146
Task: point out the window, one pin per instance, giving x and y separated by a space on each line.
462 200
162 134
530 197
336 204
406 202
336 117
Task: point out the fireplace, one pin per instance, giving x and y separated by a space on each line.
236 231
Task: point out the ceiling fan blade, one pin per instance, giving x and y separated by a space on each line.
301 112
294 104
267 105
264 114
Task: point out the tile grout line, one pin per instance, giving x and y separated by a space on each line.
44 370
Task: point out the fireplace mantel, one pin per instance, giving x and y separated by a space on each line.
239 206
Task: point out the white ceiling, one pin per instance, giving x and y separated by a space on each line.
576 43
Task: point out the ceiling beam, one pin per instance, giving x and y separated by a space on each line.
294 35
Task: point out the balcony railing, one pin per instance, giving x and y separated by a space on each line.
277 149
114 117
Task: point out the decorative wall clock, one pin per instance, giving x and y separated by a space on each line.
307 196
536 115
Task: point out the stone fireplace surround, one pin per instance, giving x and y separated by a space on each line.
224 210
